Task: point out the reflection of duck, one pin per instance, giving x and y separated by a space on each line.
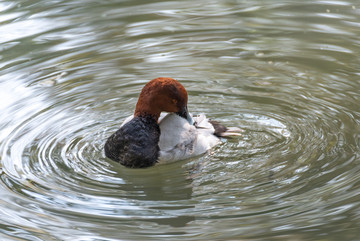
148 137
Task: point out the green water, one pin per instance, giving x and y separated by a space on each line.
286 72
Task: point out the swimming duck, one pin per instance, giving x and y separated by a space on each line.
150 136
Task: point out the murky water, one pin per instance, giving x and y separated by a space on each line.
287 72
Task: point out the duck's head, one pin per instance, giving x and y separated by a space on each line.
163 94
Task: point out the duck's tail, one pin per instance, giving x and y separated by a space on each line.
223 131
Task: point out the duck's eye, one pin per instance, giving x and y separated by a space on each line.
174 101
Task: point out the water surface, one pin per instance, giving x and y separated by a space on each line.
286 72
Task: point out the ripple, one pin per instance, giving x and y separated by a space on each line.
284 72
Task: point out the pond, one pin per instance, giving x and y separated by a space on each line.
287 72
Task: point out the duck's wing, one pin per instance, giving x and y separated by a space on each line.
180 140
177 138
201 122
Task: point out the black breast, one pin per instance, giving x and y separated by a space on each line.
135 144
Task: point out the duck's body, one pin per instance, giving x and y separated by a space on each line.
147 138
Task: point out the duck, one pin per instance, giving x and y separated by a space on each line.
162 130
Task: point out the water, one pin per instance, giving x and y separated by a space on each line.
286 72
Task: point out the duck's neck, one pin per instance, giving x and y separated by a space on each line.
144 108
146 115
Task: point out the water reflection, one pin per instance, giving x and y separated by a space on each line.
285 72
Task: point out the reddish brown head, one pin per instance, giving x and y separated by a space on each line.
162 94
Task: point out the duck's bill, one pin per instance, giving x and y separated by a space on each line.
185 114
